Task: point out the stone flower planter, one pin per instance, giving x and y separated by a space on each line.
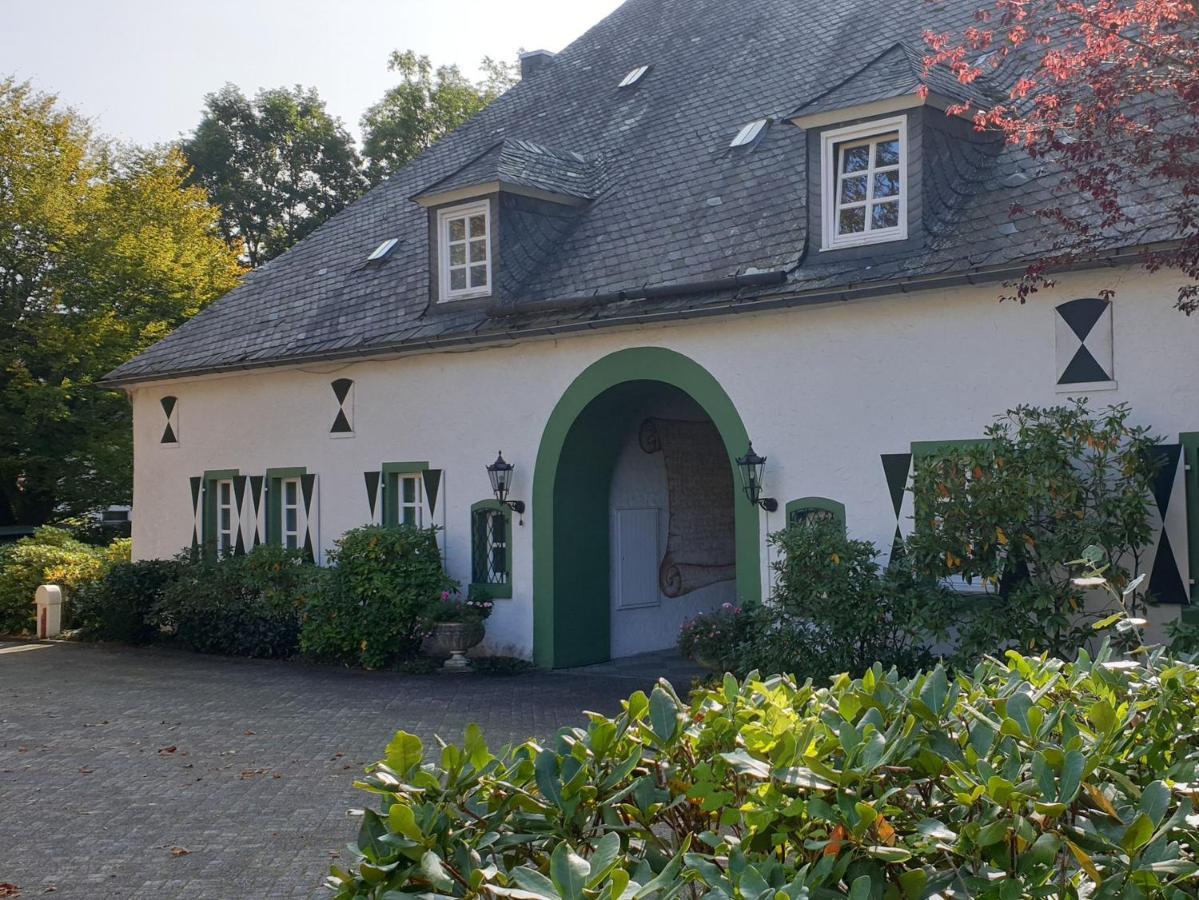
455 638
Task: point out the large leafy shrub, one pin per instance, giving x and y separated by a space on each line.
124 605
372 609
834 609
248 605
1026 778
1010 514
49 556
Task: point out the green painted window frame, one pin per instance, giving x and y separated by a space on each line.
828 505
391 488
1190 458
274 501
208 507
495 591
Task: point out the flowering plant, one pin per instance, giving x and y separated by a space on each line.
712 638
452 607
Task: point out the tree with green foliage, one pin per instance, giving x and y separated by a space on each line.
1013 512
425 106
103 251
277 166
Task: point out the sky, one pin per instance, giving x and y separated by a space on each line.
139 69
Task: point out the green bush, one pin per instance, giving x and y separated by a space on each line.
124 604
1026 778
372 609
1010 514
833 609
49 556
248 605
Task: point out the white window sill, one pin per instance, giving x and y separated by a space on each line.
469 295
1086 387
865 241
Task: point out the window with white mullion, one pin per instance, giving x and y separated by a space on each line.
290 507
412 504
465 250
865 184
226 522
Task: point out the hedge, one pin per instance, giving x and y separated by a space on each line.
1027 777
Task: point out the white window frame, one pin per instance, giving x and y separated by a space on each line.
417 504
444 218
226 538
830 182
286 534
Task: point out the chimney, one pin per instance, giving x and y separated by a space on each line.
533 61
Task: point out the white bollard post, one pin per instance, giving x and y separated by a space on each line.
49 610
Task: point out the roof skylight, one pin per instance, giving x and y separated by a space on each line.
633 77
383 249
748 133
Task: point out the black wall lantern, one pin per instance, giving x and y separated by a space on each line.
752 468
500 473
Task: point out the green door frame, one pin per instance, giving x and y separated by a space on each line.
568 629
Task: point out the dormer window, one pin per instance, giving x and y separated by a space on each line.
464 249
864 183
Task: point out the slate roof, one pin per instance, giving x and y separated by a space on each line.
525 164
671 204
896 72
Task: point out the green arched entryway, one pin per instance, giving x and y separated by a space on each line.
571 612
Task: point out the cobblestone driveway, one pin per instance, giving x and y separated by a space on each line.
113 761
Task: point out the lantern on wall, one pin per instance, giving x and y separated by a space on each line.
500 473
753 470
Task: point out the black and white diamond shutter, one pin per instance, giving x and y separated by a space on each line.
310 499
170 412
898 468
1168 567
257 509
343 417
374 496
1083 335
197 486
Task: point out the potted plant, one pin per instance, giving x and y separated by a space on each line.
711 638
457 625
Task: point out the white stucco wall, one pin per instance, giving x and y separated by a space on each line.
823 391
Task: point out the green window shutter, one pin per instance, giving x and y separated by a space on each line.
276 479
211 479
393 484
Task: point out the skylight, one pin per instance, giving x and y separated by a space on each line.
748 133
383 249
633 77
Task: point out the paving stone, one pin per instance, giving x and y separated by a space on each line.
113 757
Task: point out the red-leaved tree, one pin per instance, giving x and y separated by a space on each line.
1107 93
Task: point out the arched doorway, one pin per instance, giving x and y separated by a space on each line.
572 486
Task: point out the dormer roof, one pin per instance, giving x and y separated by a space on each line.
521 167
889 82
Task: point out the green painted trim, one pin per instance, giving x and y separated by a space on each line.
208 507
1190 451
563 632
274 501
391 500
493 591
832 506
